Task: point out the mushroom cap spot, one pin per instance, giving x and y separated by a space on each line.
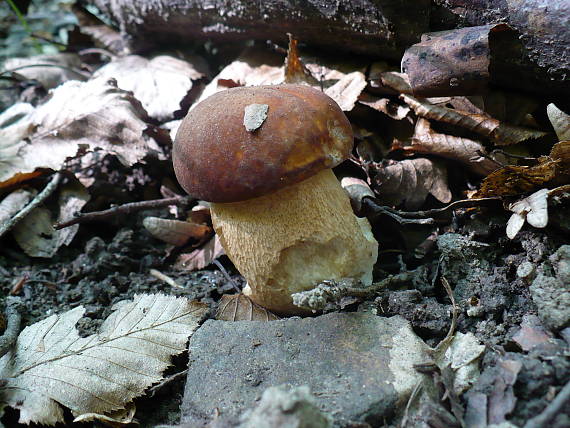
217 159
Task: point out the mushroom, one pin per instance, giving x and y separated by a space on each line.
263 156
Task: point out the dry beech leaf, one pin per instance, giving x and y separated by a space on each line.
117 418
468 152
35 233
92 115
410 181
160 83
14 202
515 180
201 257
533 209
500 133
51 366
390 83
347 90
175 232
385 105
238 307
101 34
357 190
560 122
295 70
49 76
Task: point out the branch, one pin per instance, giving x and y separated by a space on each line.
122 209
42 196
13 321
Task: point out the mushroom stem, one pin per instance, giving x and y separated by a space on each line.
290 240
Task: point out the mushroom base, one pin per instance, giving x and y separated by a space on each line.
291 240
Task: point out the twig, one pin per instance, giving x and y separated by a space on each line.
42 196
444 344
13 321
122 209
166 381
73 70
227 275
464 203
554 408
19 285
165 278
376 210
99 51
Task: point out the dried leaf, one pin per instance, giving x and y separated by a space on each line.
502 399
500 133
295 70
468 152
347 90
201 257
533 208
51 366
531 333
117 418
463 357
515 180
357 190
160 83
175 232
101 34
410 181
238 307
385 105
14 202
390 83
560 122
50 70
93 115
35 233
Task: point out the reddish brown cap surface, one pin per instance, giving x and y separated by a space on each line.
216 159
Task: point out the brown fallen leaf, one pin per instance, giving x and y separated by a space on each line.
78 117
175 232
385 105
200 257
464 150
49 70
160 83
239 307
295 70
531 333
500 133
102 35
502 399
553 170
410 181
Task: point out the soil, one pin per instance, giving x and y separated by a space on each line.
106 264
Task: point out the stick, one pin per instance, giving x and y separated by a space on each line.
555 407
42 196
165 278
13 321
122 209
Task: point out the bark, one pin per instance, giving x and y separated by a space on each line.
379 27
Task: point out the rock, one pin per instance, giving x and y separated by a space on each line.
282 408
358 365
551 290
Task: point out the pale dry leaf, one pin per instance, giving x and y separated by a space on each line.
385 105
410 181
560 122
238 307
51 366
347 90
35 233
499 133
502 399
49 70
14 202
201 257
116 418
464 150
175 232
89 116
533 209
463 357
160 83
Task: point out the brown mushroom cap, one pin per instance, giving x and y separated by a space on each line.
216 159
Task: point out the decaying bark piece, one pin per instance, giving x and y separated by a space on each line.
381 27
271 238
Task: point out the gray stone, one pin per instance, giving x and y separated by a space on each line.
551 290
358 366
283 408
